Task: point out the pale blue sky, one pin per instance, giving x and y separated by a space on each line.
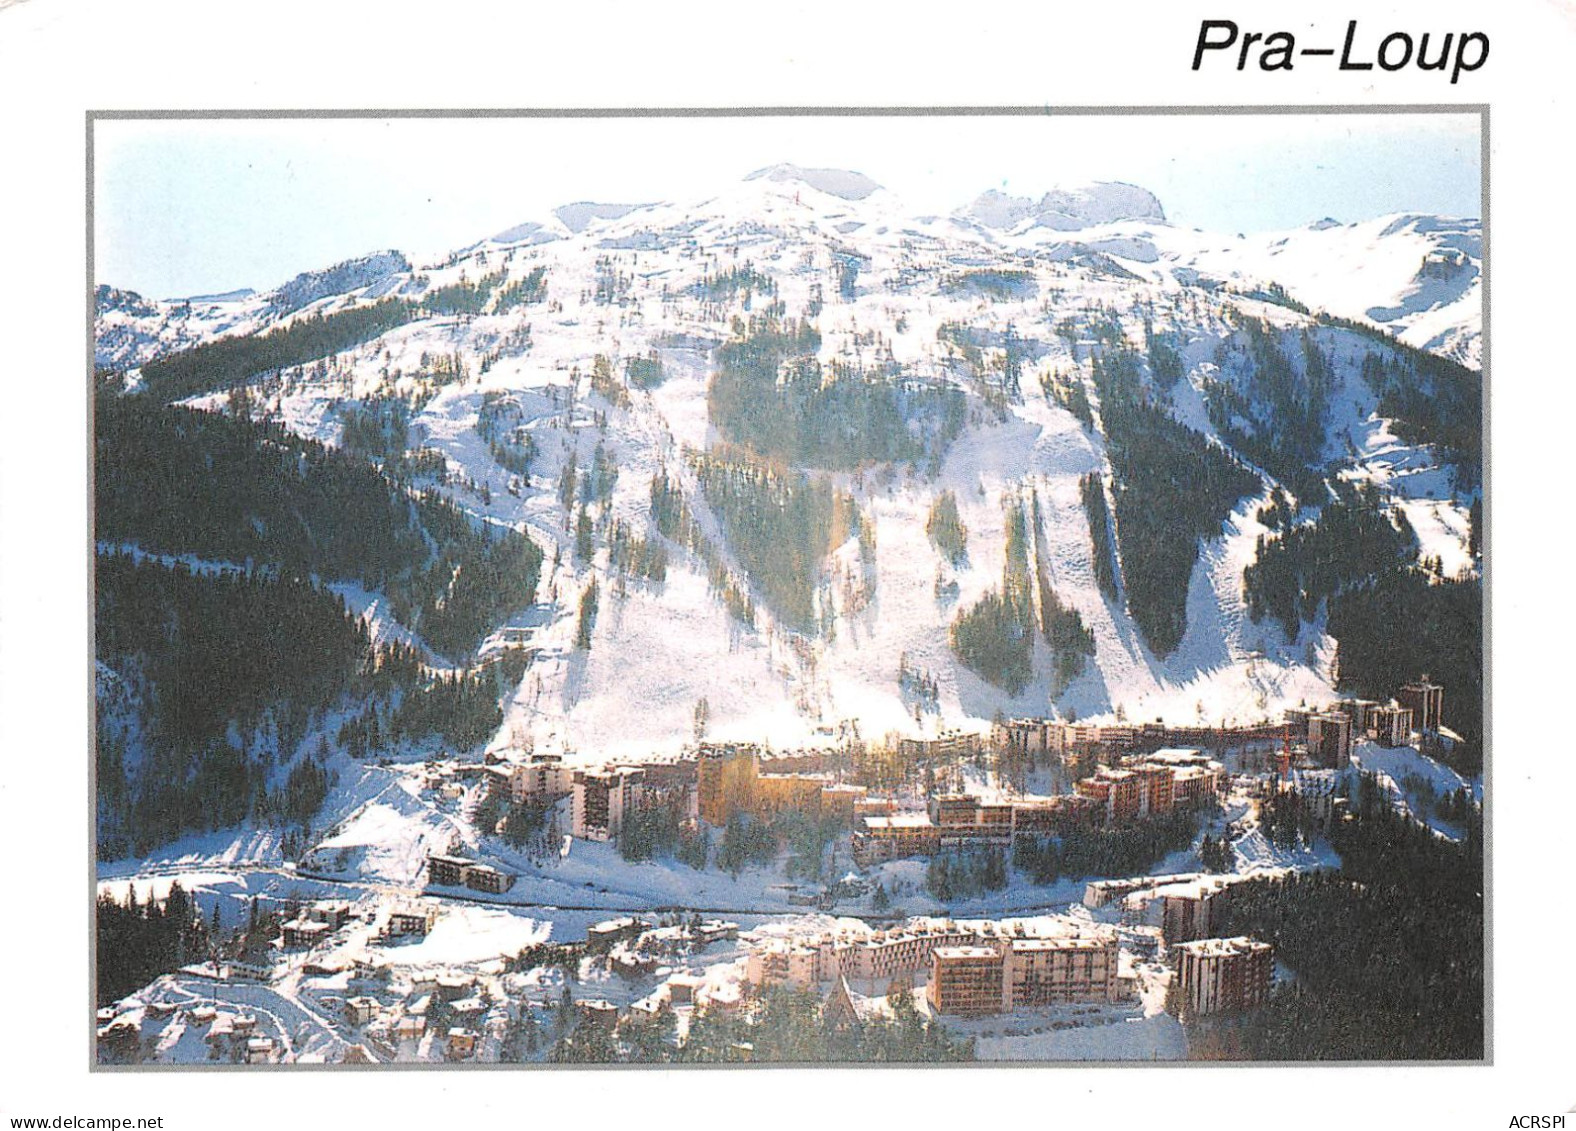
192 207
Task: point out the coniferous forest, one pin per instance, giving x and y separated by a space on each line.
1353 540
1392 617
230 361
781 524
229 670
769 392
1173 488
227 489
140 939
1387 951
179 481
216 670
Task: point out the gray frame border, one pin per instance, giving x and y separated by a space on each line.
1482 110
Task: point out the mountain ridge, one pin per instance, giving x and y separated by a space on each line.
676 341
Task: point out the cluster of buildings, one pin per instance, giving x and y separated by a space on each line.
870 960
1153 784
1417 707
1060 740
971 969
1141 786
229 1036
600 798
948 746
313 923
1210 974
1325 736
444 870
713 783
961 820
730 780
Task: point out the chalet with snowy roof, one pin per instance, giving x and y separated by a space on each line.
453 986
335 912
601 936
367 968
361 1010
715 930
461 1044
650 1007
724 998
683 988
260 1050
301 933
121 1038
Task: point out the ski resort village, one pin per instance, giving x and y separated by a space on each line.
782 626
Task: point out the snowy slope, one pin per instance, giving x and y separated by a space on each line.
622 283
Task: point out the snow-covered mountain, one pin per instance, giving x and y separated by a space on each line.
1066 210
593 339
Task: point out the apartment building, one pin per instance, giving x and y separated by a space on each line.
409 921
541 777
447 871
1052 971
1330 738
967 980
1223 975
1427 701
947 746
1023 973
1126 793
601 798
458 871
894 837
725 777
1188 912
1391 725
